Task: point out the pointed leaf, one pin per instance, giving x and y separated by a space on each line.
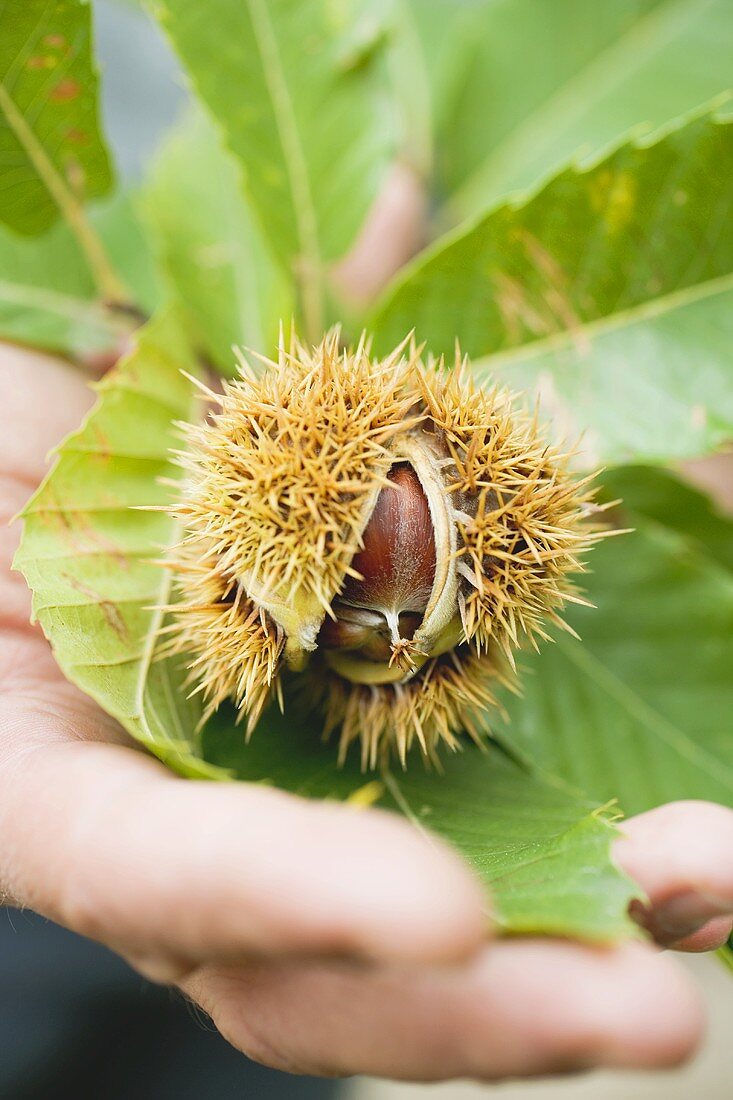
299 94
52 156
640 710
48 298
210 248
546 82
602 291
87 552
660 497
446 36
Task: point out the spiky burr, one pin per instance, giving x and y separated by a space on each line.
383 531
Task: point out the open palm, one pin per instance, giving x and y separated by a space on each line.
320 938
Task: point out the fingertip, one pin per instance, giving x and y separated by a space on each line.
576 1007
712 936
43 398
651 1015
678 854
678 845
657 1019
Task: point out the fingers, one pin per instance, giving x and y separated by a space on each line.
393 232
711 936
179 873
681 856
517 1008
42 399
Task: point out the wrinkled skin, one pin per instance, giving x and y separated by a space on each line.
320 938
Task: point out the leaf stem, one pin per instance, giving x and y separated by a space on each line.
108 283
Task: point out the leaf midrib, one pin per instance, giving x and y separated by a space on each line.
648 310
71 209
162 599
401 800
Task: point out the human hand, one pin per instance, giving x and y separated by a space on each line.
320 938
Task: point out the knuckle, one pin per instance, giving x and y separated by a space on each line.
254 1041
319 932
260 1048
161 969
253 1019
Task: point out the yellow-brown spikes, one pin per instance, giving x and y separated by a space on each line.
233 648
446 698
387 525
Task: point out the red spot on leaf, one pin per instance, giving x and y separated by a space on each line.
77 137
40 62
65 91
55 41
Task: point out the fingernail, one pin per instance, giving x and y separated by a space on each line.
685 913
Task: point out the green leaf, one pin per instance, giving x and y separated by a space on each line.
659 497
299 92
87 552
640 709
600 291
213 254
445 35
725 954
51 153
543 853
415 84
48 297
545 82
